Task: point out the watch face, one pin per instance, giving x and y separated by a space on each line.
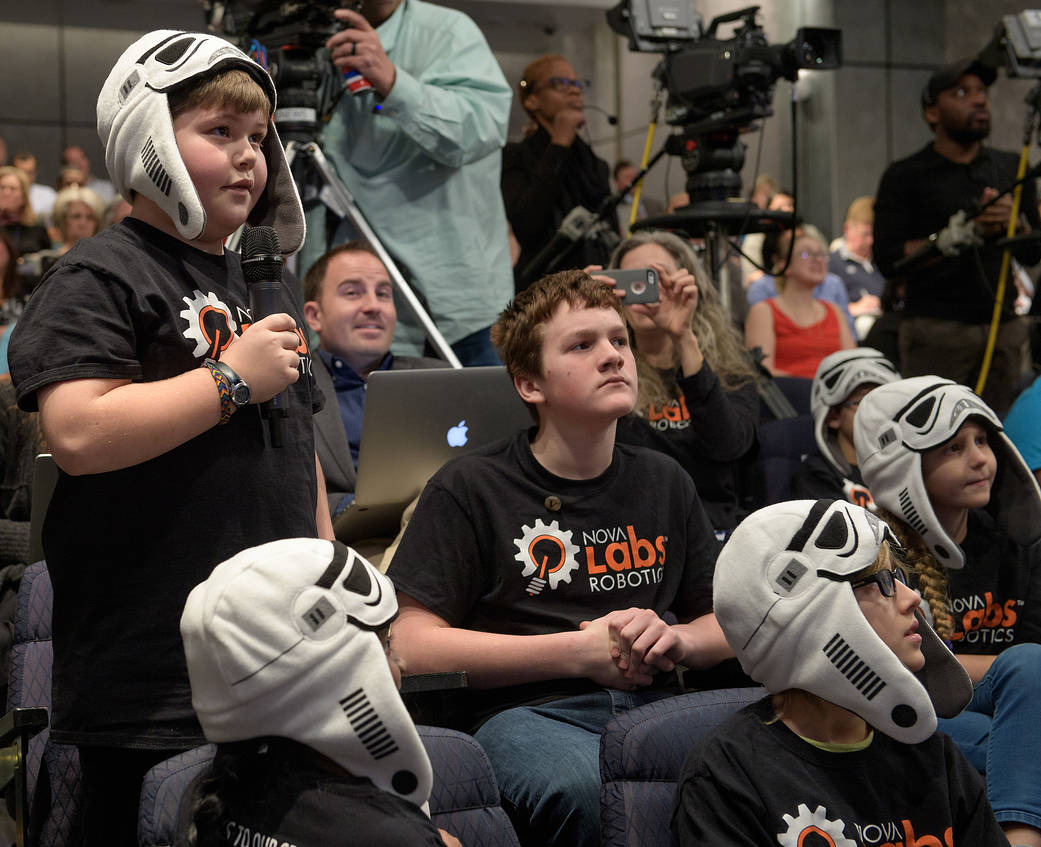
240 394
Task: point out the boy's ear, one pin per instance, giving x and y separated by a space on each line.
313 315
529 389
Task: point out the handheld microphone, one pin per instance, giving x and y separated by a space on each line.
611 119
262 267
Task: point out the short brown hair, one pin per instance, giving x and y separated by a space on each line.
316 273
234 89
518 332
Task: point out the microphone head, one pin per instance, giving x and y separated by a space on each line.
261 254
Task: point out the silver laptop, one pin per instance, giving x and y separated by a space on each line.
415 421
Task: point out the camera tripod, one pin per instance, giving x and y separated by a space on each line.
336 196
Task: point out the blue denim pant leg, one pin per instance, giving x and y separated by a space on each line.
1001 726
476 349
547 763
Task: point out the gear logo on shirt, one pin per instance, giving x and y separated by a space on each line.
210 324
548 555
814 828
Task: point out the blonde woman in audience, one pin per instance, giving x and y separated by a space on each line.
794 330
77 214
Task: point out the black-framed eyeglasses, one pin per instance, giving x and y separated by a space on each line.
563 83
886 580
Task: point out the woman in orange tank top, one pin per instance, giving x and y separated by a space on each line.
794 330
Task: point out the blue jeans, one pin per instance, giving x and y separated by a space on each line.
1000 733
476 349
547 763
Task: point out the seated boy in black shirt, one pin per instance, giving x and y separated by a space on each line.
545 565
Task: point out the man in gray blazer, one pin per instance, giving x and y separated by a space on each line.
350 305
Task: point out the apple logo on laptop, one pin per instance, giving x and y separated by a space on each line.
457 434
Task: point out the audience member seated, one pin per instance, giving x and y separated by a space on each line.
544 565
966 507
1022 426
624 173
794 329
75 157
293 677
831 289
68 175
115 211
20 441
840 384
696 398
12 301
350 305
813 597
767 196
851 261
77 214
18 219
552 170
41 197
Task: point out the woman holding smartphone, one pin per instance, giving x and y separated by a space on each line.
697 399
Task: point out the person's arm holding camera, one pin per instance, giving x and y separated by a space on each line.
455 108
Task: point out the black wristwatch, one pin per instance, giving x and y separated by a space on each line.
239 389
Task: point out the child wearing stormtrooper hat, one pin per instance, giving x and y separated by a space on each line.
841 381
960 498
139 351
813 598
292 676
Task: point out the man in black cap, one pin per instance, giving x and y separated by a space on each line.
949 294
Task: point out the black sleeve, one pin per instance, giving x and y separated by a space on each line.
894 219
695 595
438 561
1029 253
1029 628
713 804
530 191
816 480
723 423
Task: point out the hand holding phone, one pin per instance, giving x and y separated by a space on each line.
639 284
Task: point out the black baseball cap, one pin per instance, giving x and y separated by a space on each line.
947 76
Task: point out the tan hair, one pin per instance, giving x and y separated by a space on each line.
76 194
28 217
315 275
861 210
718 338
932 576
518 332
784 241
233 89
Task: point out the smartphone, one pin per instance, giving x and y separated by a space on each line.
640 284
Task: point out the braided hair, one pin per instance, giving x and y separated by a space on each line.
932 576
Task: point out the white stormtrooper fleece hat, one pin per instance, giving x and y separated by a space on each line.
136 128
281 641
838 376
784 599
898 422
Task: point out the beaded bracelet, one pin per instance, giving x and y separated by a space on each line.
227 407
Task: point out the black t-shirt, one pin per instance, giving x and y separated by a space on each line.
752 784
996 597
817 479
125 548
915 198
285 797
499 544
707 430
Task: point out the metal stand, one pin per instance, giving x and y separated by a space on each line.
338 198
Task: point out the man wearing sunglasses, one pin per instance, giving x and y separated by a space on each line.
553 170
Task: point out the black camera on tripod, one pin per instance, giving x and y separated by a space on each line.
717 87
288 37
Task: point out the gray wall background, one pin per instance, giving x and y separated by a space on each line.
850 122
